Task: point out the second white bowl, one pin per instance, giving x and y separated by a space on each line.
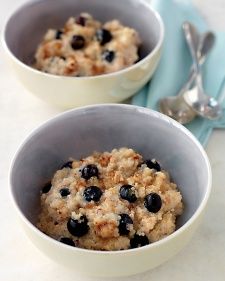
27 25
78 133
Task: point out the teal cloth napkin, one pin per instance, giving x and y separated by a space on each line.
175 63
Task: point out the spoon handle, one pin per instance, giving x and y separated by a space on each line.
206 42
196 52
192 39
202 52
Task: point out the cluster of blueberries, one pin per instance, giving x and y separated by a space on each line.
102 35
80 227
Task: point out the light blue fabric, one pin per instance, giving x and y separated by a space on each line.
174 66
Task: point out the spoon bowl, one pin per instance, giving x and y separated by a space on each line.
176 108
204 106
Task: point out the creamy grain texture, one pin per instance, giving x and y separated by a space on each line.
56 55
116 168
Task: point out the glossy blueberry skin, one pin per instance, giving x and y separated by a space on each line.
138 241
153 202
108 55
67 241
127 193
89 171
78 227
46 187
92 193
103 36
153 164
58 34
123 224
81 20
67 165
64 192
77 42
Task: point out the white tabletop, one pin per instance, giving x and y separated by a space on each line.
20 112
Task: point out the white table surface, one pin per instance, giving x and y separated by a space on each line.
204 257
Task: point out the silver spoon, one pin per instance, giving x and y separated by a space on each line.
196 98
175 106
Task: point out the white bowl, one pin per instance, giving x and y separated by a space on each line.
79 132
27 25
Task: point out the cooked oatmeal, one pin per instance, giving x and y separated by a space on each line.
86 47
110 201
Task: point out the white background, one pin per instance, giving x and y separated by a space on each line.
204 257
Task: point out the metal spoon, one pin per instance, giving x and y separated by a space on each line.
175 106
196 98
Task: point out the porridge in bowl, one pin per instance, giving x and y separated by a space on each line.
86 47
110 201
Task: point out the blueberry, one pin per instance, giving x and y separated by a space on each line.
92 193
58 34
127 193
89 171
67 165
139 55
124 221
108 55
78 227
103 36
77 42
138 241
46 187
153 202
81 20
64 192
153 164
67 241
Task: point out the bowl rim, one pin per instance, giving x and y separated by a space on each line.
138 110
107 75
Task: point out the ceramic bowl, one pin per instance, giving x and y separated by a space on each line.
27 25
79 132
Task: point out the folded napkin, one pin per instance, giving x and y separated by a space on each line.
175 63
